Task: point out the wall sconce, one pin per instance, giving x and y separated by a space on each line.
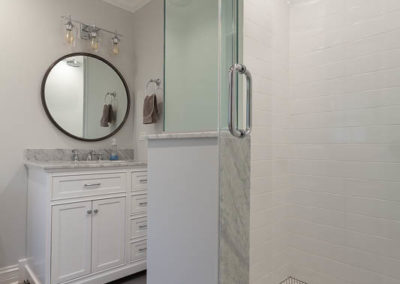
90 33
94 40
69 31
115 42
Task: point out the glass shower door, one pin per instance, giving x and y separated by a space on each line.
234 147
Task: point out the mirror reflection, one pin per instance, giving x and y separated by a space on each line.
86 97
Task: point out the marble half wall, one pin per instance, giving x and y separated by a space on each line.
234 181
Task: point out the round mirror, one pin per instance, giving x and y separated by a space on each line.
85 96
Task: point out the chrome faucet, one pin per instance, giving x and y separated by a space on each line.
99 155
75 155
92 155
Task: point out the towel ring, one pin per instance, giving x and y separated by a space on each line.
113 96
156 82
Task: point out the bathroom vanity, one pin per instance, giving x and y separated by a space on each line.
86 221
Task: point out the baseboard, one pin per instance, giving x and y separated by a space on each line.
9 274
24 272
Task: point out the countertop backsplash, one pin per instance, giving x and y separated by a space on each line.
46 155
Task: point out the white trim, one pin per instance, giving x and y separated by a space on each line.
26 273
9 274
128 5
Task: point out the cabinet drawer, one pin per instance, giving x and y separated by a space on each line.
87 185
139 204
139 181
138 251
138 227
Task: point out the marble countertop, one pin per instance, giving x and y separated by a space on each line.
184 135
65 165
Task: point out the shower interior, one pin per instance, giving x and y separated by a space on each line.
325 142
325 146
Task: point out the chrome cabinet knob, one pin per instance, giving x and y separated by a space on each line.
75 155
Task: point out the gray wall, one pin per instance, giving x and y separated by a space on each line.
148 46
30 46
183 211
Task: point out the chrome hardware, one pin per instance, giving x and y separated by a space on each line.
232 112
142 249
89 212
95 211
143 181
142 203
75 155
91 184
90 156
142 227
157 84
100 155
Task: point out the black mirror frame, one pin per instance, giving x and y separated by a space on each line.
52 119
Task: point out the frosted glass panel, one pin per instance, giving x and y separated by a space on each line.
191 65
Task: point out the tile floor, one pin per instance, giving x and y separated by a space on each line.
139 278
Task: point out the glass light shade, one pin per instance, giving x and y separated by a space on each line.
115 48
69 36
94 43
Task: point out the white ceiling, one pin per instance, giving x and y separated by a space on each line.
129 5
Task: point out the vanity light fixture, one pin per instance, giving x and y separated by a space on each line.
69 31
92 33
115 41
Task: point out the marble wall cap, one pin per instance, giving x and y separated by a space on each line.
183 135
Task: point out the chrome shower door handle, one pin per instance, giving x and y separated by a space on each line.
232 112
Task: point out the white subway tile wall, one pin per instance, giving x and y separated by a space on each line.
325 192
343 134
266 54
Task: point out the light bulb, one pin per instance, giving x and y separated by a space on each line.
94 44
115 49
69 31
94 41
69 37
115 41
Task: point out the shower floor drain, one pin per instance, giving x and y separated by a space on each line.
292 280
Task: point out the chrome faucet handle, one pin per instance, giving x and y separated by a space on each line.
90 155
98 155
75 155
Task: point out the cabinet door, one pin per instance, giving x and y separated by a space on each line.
71 241
108 249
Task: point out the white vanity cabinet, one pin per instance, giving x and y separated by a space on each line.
85 225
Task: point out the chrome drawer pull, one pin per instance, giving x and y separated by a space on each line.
92 184
142 227
142 203
143 181
142 249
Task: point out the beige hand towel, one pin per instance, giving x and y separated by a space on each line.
150 109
